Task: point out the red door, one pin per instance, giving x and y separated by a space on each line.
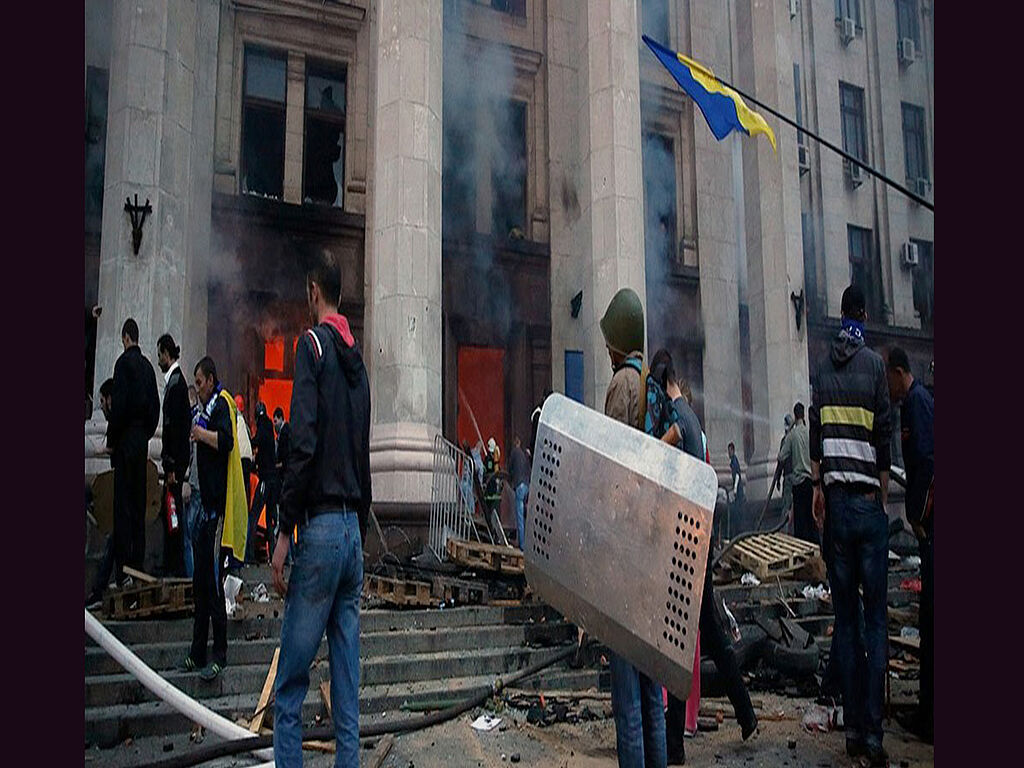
482 396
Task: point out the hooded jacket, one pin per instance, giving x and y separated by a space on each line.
850 417
329 458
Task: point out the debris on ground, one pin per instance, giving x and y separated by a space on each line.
486 722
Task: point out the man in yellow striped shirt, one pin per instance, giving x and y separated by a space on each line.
849 446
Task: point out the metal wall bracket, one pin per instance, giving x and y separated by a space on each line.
138 214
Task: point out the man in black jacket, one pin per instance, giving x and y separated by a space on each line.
267 489
134 414
849 446
326 497
284 441
176 451
214 439
917 420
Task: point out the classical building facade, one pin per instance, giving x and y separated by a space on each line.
490 172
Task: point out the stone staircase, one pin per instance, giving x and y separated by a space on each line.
407 656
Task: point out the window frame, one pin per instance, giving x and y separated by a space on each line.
926 250
332 69
922 140
668 23
911 8
510 104
843 8
861 120
871 269
262 104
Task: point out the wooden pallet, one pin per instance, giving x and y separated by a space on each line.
460 591
399 591
771 554
474 554
150 599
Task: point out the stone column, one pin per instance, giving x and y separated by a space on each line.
612 209
159 146
778 351
404 292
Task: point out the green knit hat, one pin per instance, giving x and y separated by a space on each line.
623 323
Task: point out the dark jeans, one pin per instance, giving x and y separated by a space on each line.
639 716
803 522
718 645
130 502
860 531
207 590
265 495
174 543
927 628
323 594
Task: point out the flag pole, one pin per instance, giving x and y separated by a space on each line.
877 174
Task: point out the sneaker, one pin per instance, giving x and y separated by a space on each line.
210 671
187 665
127 582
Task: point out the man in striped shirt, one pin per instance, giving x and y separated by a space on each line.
849 446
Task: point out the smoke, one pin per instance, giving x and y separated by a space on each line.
661 233
484 145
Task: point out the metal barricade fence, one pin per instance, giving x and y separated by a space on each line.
451 500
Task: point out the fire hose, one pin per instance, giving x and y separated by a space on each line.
241 740
174 696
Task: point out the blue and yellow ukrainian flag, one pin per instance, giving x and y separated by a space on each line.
723 108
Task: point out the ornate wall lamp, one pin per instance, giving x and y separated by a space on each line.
137 213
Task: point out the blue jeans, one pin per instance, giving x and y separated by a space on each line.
639 716
323 593
521 491
860 542
189 522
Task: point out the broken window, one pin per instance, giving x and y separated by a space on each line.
323 155
659 161
508 171
458 181
924 283
864 270
95 144
263 122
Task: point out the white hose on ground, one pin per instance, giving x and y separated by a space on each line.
177 698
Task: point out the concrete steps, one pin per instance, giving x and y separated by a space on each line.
405 656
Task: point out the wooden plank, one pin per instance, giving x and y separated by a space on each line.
381 752
491 557
268 688
910 643
139 575
325 697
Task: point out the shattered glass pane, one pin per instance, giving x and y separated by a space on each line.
323 161
265 75
263 151
508 172
325 92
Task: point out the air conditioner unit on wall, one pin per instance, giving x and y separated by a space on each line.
920 186
803 158
909 256
848 30
854 173
906 51
794 8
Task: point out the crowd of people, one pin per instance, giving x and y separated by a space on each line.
313 481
